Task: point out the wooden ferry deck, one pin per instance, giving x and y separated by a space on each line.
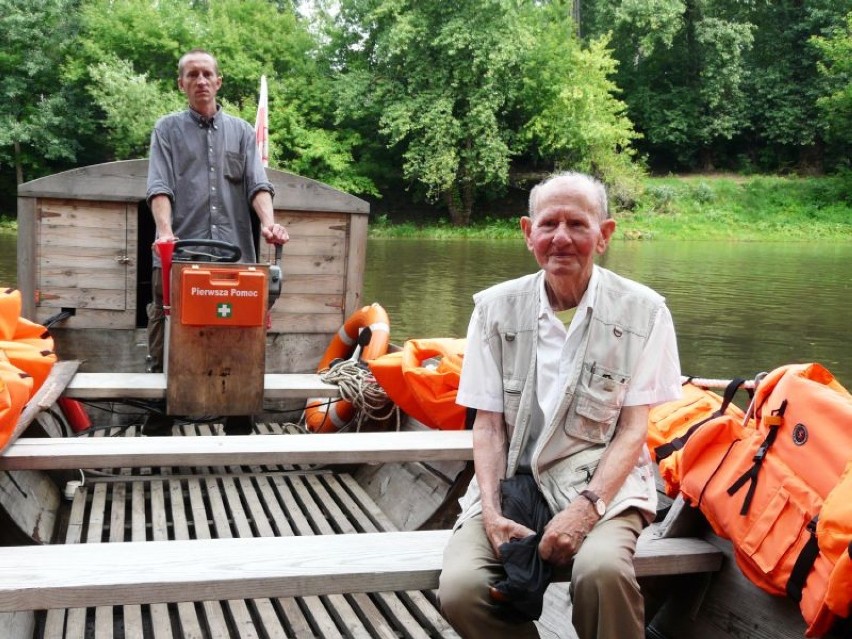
225 502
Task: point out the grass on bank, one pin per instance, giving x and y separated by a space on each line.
765 208
696 208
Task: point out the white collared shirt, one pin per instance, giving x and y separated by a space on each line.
657 380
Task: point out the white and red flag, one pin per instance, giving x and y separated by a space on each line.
261 123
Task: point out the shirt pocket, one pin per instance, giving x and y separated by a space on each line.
235 164
600 395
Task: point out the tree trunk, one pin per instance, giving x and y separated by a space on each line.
811 159
19 169
576 16
459 202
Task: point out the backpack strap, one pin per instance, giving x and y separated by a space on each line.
804 563
669 448
774 422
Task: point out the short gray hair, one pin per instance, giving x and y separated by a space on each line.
183 58
594 187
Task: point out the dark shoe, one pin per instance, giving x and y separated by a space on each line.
239 425
158 425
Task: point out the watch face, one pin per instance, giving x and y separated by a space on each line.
597 502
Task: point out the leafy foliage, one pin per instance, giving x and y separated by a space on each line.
34 106
837 67
462 89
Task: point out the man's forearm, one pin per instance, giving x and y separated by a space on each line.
489 459
262 205
621 453
161 209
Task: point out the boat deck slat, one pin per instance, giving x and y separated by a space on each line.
192 502
153 386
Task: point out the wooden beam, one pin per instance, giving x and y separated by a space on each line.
337 448
153 386
99 574
46 396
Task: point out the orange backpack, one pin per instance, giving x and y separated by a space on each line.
671 424
764 488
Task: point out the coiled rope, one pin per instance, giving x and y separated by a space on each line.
359 387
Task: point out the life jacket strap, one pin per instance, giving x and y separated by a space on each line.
669 448
752 473
804 563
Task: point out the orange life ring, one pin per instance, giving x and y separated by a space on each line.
425 392
327 416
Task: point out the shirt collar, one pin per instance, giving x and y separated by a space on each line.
587 302
203 120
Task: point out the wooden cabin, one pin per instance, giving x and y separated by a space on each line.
84 239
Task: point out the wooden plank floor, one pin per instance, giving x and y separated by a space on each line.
200 503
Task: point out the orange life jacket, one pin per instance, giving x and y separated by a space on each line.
423 380
10 311
671 424
35 358
834 538
764 488
26 358
16 387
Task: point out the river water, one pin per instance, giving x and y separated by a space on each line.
739 308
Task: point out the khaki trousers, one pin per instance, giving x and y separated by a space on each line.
607 602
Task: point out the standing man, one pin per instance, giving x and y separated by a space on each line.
562 367
204 176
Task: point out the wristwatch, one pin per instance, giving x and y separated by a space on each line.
597 502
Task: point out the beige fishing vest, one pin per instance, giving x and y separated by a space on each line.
572 443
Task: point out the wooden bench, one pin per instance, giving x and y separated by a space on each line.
39 577
153 386
337 448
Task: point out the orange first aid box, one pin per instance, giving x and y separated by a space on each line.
217 339
223 297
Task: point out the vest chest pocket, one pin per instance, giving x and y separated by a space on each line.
600 396
511 400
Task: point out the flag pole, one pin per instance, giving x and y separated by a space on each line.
261 123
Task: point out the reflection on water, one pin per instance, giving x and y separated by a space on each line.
739 308
7 259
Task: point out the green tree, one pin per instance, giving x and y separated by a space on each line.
571 116
130 103
466 90
836 65
437 77
37 113
720 82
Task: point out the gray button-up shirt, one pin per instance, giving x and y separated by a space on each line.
210 169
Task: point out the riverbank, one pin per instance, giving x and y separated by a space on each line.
760 208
